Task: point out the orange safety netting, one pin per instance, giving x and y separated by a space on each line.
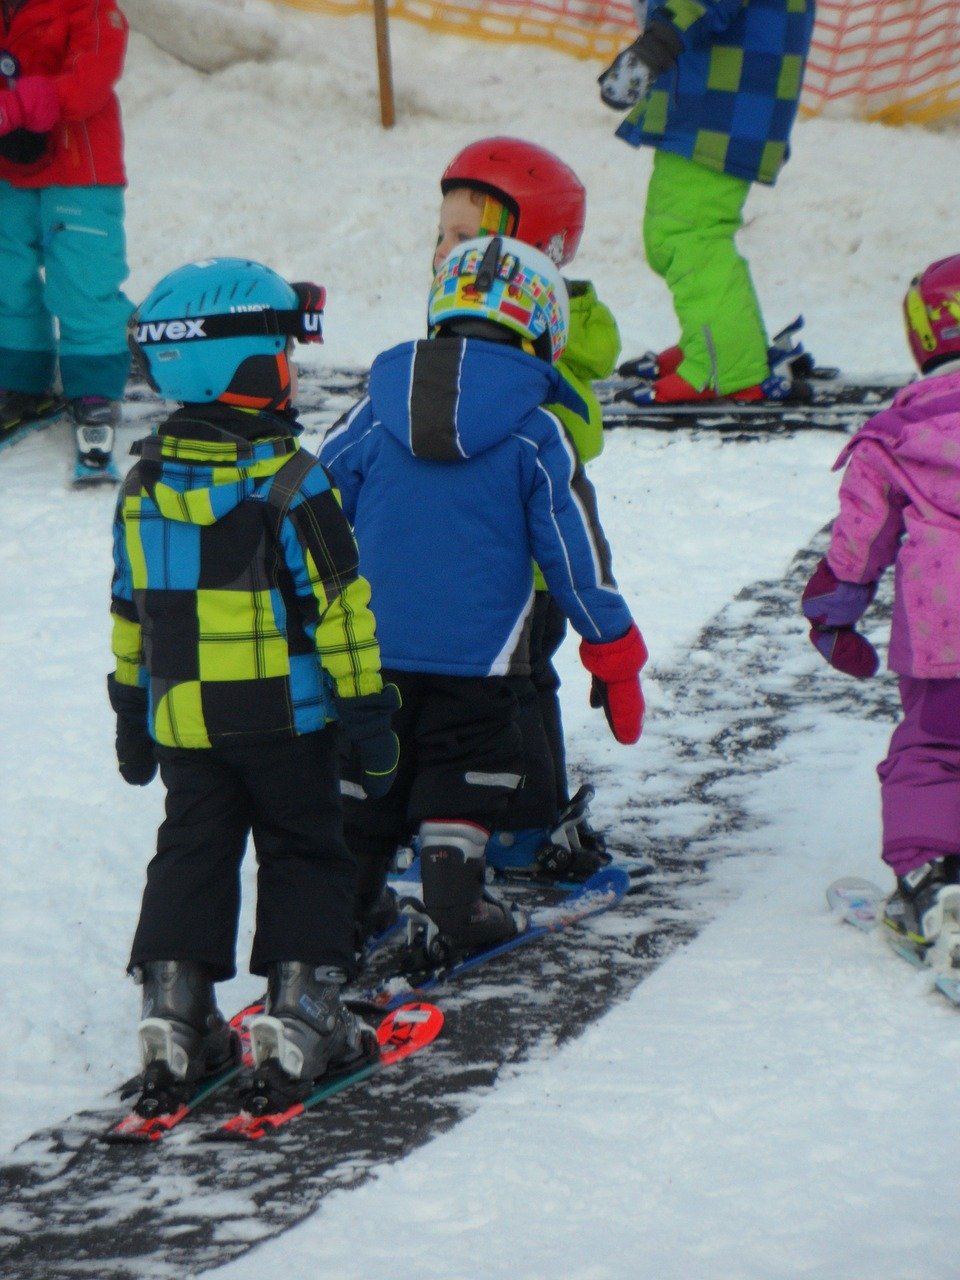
894 60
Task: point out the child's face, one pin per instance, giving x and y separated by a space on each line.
460 215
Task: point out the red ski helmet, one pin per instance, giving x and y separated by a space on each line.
932 313
545 196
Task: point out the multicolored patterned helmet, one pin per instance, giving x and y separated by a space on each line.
932 313
219 330
545 198
507 283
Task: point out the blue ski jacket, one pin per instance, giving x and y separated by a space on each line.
456 479
731 100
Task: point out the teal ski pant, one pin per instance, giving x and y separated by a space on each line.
690 224
62 262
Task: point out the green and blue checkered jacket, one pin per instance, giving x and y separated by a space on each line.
731 100
236 599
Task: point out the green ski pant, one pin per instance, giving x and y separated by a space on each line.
690 224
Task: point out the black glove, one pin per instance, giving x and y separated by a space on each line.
366 721
628 78
136 753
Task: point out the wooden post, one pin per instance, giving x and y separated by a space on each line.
384 70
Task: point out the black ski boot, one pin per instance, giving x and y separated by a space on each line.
453 865
183 1036
923 899
305 1032
376 902
20 409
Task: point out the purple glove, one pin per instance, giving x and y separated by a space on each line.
32 105
833 607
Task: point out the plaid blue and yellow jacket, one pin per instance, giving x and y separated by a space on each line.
731 100
237 600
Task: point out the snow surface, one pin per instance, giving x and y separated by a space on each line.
776 1099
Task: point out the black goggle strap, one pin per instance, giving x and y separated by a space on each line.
303 324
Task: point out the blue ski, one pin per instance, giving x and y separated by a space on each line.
604 890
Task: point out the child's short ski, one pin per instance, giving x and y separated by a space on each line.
146 1123
831 404
405 1031
603 890
103 473
800 393
860 903
22 416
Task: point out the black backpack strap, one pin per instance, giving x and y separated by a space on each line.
286 483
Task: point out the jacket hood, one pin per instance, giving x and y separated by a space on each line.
449 398
197 471
922 426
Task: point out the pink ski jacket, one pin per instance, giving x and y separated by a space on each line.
900 504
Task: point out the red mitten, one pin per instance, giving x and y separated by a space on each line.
32 104
11 112
615 667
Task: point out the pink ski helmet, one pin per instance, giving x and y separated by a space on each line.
932 313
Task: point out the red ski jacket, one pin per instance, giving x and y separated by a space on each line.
81 45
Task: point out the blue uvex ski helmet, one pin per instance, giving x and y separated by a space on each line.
219 329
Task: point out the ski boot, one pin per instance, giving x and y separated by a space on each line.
96 420
182 1034
571 850
652 364
304 1033
786 356
380 914
923 915
467 915
22 410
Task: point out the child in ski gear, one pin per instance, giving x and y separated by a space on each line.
713 87
899 506
242 633
507 186
456 479
62 246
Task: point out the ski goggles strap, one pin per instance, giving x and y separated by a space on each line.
304 323
312 298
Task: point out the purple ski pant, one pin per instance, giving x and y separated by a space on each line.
920 778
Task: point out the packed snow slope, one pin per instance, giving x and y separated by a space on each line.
776 1099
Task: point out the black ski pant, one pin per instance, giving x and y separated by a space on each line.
471 748
546 636
286 794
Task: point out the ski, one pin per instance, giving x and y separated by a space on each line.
143 1124
18 426
833 404
88 475
860 903
602 891
405 1031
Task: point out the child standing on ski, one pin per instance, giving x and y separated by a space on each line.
242 633
713 87
62 244
507 186
456 479
900 505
